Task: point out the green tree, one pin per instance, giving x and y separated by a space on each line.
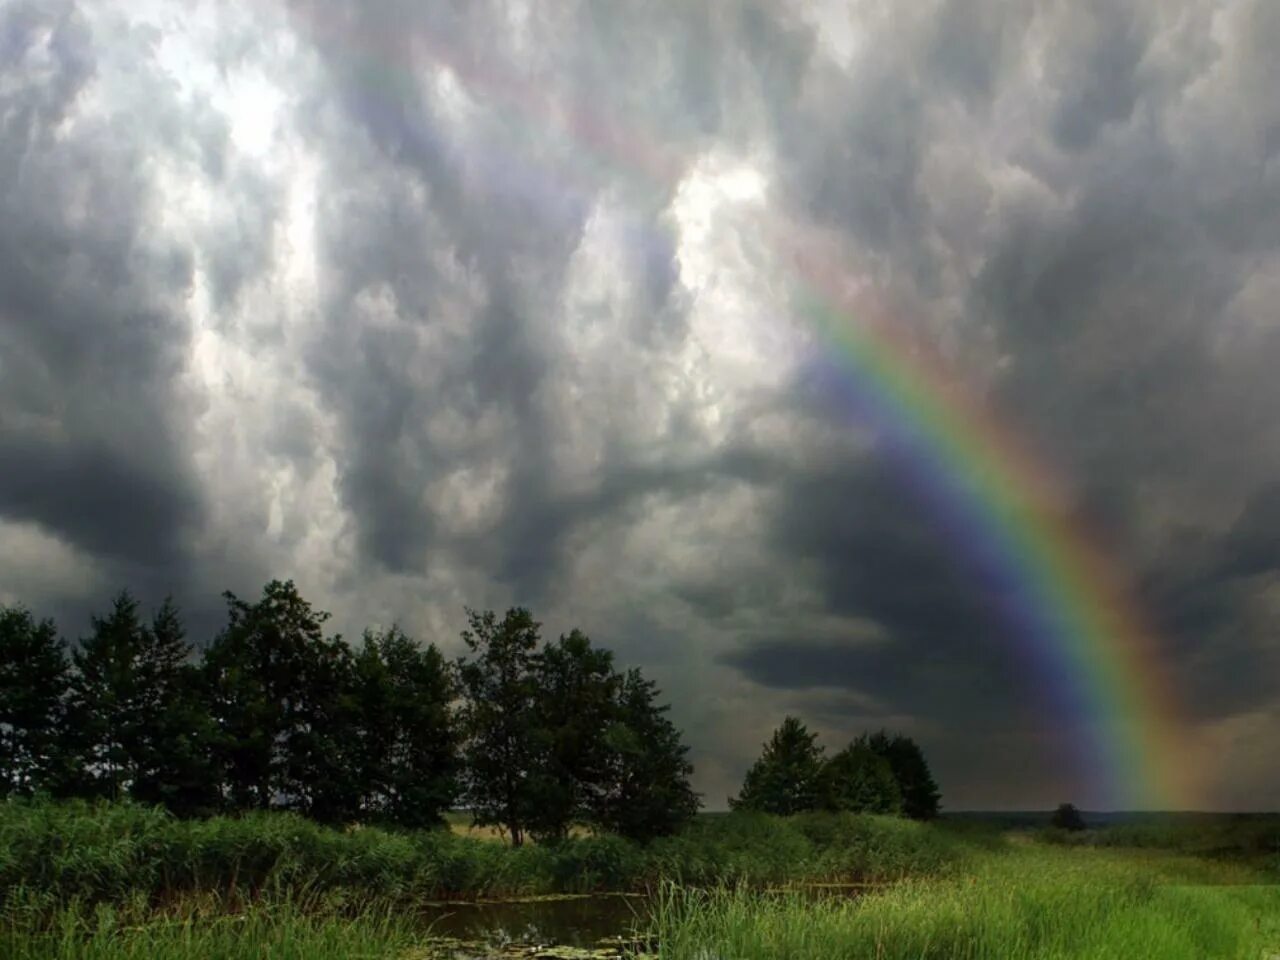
920 794
785 779
112 701
1067 817
575 692
860 781
407 744
281 697
175 765
33 691
645 791
499 713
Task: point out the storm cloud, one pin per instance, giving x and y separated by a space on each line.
487 303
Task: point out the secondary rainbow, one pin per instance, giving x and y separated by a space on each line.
1071 609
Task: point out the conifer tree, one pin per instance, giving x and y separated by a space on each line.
34 679
785 780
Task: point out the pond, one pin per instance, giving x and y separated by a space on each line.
587 926
590 927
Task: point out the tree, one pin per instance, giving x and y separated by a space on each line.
407 745
1067 817
112 708
645 791
33 690
280 695
785 779
175 765
920 794
860 781
498 716
576 690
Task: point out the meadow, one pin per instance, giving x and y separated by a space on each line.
116 881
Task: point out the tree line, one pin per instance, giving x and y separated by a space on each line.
532 736
876 773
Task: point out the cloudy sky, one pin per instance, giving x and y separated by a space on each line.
494 303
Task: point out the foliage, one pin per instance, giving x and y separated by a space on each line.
134 718
1067 817
645 791
33 688
276 715
278 691
407 764
74 851
861 781
499 719
785 779
575 694
920 793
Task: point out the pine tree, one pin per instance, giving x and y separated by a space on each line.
498 717
785 780
645 792
33 691
112 708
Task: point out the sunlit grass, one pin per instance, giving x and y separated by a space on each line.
1026 903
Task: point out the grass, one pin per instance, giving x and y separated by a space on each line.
63 853
1029 902
205 928
119 881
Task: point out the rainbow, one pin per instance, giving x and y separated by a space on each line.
1072 611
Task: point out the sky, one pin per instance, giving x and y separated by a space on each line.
429 306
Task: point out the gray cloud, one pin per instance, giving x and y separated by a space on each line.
426 305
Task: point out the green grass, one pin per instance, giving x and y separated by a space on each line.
1028 902
119 881
206 928
61 853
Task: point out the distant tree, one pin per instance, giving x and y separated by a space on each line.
280 695
33 690
499 713
920 794
407 750
1067 817
861 781
785 779
646 791
575 700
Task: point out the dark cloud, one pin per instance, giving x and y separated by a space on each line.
426 305
91 331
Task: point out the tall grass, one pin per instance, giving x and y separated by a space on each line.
206 928
54 854
1030 904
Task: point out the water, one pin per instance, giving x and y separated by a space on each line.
588 923
597 926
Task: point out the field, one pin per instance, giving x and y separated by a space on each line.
121 881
